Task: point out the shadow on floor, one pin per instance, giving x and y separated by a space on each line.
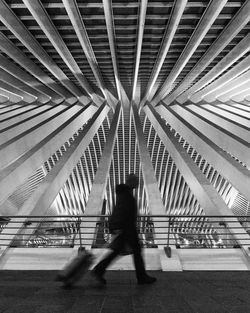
182 292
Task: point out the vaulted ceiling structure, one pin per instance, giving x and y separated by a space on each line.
92 90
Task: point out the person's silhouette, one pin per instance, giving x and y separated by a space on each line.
123 222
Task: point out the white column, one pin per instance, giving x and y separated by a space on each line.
213 153
98 190
40 201
16 173
153 195
209 199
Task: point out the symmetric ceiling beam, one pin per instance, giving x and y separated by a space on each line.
120 17
87 5
237 23
50 187
16 71
111 36
142 17
237 109
39 124
57 92
129 28
10 20
20 116
207 196
9 87
229 136
3 98
42 198
79 27
14 109
9 106
19 84
213 10
11 96
235 124
229 168
98 190
243 106
153 195
242 95
237 70
38 11
20 169
233 87
172 26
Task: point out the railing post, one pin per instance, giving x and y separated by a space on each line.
81 248
168 248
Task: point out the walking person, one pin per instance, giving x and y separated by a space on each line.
123 223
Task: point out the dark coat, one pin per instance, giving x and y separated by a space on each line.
124 215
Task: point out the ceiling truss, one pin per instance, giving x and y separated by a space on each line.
93 90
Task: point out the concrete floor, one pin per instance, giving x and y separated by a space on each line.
184 292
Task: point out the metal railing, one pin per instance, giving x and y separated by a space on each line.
182 231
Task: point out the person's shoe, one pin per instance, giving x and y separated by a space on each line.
146 280
99 277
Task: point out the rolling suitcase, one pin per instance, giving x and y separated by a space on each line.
74 271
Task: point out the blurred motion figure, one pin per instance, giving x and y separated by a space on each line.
123 222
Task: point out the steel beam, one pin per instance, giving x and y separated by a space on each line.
97 194
222 132
142 17
20 169
228 167
242 96
232 88
9 93
226 36
237 70
14 92
153 195
176 14
79 27
38 11
240 110
241 122
17 138
57 92
3 98
111 36
41 199
18 73
10 20
29 94
207 196
213 10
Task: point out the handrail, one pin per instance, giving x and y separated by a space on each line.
141 215
179 231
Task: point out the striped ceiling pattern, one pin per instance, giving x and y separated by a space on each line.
91 90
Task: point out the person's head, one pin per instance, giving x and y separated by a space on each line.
132 181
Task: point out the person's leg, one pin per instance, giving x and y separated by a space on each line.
133 242
141 275
104 263
138 261
116 247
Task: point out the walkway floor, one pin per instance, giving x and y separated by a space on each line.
182 292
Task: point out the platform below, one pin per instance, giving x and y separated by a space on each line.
175 292
155 259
